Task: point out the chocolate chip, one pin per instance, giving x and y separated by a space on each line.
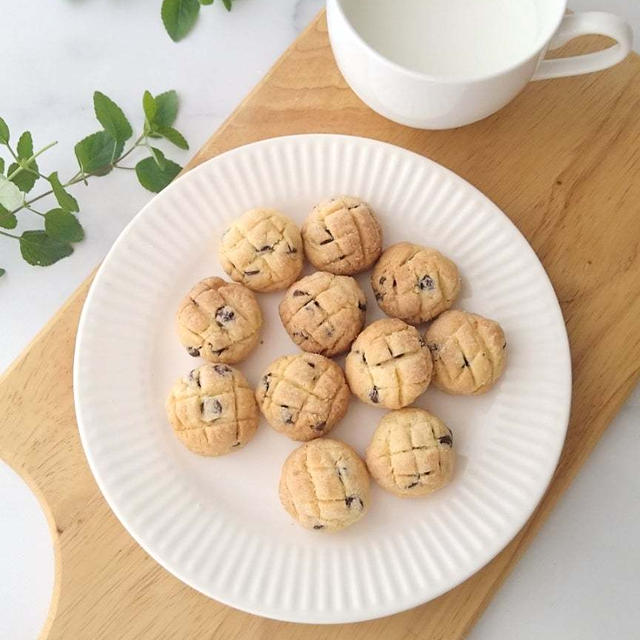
318 526
265 381
349 500
313 366
362 306
379 296
426 282
193 351
446 440
225 314
466 362
328 331
252 272
221 369
373 394
320 426
210 408
382 280
299 292
194 377
433 347
285 414
394 284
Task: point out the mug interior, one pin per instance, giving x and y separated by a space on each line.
453 40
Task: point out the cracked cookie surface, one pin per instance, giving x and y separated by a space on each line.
303 396
414 283
219 321
323 313
468 350
389 364
324 485
411 453
213 410
342 235
263 250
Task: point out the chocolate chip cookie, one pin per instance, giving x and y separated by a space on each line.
469 352
323 313
411 453
303 396
324 485
342 236
414 283
263 250
219 321
389 364
212 410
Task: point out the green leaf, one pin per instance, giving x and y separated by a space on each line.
167 109
25 146
204 2
65 199
227 4
152 177
2 272
97 152
173 135
37 248
158 156
4 132
149 106
10 196
62 225
8 220
111 117
1 165
179 16
24 179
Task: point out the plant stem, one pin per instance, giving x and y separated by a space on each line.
34 211
9 235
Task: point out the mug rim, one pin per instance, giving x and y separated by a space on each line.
540 42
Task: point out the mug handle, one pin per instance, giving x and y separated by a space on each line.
580 24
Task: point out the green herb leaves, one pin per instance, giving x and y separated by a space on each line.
97 155
179 16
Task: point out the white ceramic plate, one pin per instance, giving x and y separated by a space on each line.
217 523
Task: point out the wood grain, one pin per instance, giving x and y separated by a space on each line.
562 160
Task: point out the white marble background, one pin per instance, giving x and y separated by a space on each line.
581 576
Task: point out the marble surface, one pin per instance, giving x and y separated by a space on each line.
580 577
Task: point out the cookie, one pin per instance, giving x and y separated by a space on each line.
303 396
389 364
411 453
324 485
212 410
263 250
342 236
323 313
219 321
469 352
414 283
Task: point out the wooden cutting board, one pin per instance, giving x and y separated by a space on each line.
563 162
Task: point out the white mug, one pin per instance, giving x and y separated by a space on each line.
437 64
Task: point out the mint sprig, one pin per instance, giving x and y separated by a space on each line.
97 154
180 16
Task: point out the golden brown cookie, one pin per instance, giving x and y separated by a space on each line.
414 283
263 250
342 236
219 321
389 364
323 313
469 352
324 485
212 410
303 396
411 453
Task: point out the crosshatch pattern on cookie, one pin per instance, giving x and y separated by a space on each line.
323 313
468 351
325 485
303 396
213 410
411 452
389 364
219 321
263 250
342 236
414 283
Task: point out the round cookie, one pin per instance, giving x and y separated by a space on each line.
469 352
212 410
411 453
263 250
414 283
323 313
389 364
324 485
219 321
303 396
342 236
